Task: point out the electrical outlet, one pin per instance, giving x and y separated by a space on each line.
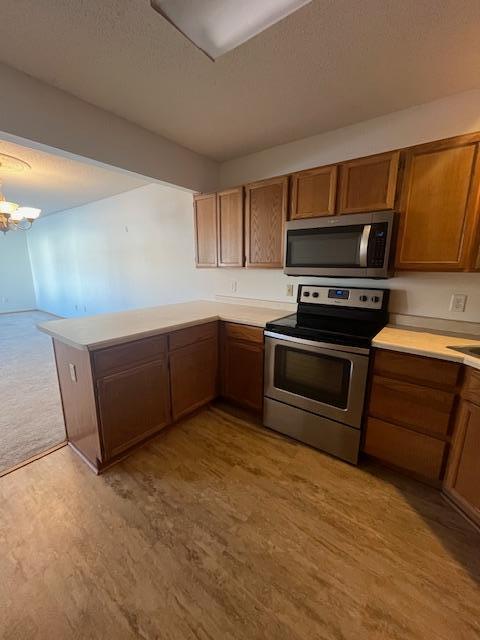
234 286
458 302
289 289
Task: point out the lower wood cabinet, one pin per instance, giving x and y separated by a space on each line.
193 376
133 404
462 480
410 412
242 365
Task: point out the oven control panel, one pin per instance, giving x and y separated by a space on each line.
341 296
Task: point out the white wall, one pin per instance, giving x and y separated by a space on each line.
412 293
34 111
16 283
450 116
135 249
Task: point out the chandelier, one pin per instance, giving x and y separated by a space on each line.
13 217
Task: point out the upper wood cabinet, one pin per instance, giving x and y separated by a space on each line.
205 218
368 184
313 193
230 228
438 207
265 215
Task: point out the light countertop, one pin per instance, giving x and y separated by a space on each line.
108 329
424 343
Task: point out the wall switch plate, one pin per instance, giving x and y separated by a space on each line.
290 289
73 372
458 302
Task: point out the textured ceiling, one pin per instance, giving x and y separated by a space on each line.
55 183
332 63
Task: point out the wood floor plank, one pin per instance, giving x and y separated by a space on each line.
218 529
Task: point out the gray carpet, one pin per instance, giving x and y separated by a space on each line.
31 418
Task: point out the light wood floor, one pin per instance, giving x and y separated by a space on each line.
220 530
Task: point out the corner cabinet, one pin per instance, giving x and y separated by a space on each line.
205 219
242 365
439 207
230 236
462 481
313 193
368 184
265 216
193 359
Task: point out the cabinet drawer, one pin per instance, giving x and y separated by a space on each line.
244 332
430 372
124 356
471 386
191 335
410 405
405 449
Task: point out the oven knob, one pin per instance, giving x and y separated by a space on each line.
375 299
363 298
306 294
315 294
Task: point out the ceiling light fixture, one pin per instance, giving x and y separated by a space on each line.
218 26
15 218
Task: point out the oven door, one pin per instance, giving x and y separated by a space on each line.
325 379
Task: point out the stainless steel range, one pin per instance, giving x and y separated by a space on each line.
316 366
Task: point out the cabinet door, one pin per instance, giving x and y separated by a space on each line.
193 376
133 404
242 372
313 193
438 207
205 219
368 184
462 481
230 228
265 215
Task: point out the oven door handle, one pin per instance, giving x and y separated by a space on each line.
364 241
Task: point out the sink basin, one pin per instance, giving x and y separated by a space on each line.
470 351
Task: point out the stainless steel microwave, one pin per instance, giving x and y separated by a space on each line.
352 246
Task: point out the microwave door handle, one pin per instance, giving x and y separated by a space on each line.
364 240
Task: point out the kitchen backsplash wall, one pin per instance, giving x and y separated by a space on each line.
416 294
